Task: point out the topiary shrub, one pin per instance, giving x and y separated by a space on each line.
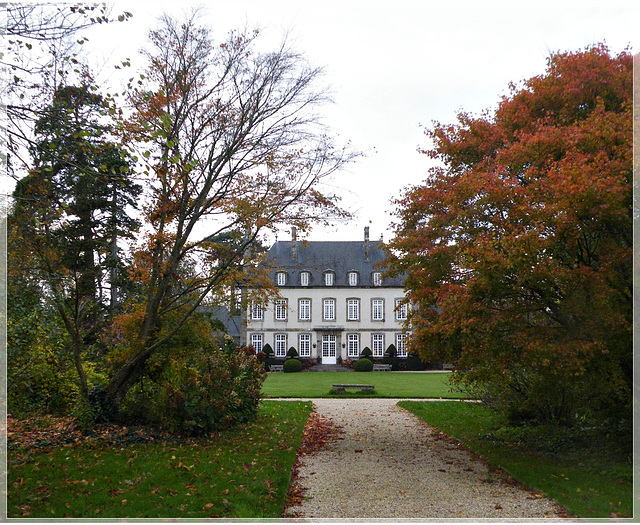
363 365
292 352
366 352
292 365
267 350
390 357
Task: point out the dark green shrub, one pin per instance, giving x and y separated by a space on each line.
267 350
390 357
212 391
366 352
292 365
415 363
363 365
292 352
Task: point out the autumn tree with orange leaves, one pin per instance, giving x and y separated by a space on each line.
232 147
518 246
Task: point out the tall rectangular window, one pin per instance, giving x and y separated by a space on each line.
377 345
304 345
401 310
377 309
281 310
257 313
304 309
353 278
281 345
281 278
377 279
329 309
304 279
328 279
353 309
353 345
401 345
256 342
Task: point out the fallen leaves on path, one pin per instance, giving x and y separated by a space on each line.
318 432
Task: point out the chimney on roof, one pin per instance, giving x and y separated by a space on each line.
366 244
294 243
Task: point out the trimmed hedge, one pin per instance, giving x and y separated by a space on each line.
292 365
363 365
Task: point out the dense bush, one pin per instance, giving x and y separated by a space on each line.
292 365
363 365
41 376
292 352
216 392
199 393
415 363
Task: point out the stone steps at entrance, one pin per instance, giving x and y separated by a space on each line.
328 368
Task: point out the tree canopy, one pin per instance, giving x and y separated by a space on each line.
219 143
518 245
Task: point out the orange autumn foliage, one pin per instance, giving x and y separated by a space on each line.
518 245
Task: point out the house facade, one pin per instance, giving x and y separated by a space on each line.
334 301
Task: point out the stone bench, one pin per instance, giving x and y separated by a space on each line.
276 368
382 368
339 389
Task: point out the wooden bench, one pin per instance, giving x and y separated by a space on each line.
339 389
382 368
276 368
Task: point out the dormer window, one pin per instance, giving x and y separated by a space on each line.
377 279
353 278
328 278
281 278
304 278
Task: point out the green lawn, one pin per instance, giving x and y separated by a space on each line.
238 474
586 474
387 384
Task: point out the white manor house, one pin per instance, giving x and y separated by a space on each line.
334 301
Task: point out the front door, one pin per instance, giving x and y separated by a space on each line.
328 349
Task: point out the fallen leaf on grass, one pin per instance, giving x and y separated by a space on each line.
207 506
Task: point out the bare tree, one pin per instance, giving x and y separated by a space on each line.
233 146
43 41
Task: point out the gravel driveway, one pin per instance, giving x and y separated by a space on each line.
389 464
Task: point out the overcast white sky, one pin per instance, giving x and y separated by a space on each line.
397 66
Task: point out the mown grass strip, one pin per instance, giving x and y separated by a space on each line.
589 478
243 473
387 384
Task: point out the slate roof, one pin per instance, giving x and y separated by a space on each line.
341 257
233 323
